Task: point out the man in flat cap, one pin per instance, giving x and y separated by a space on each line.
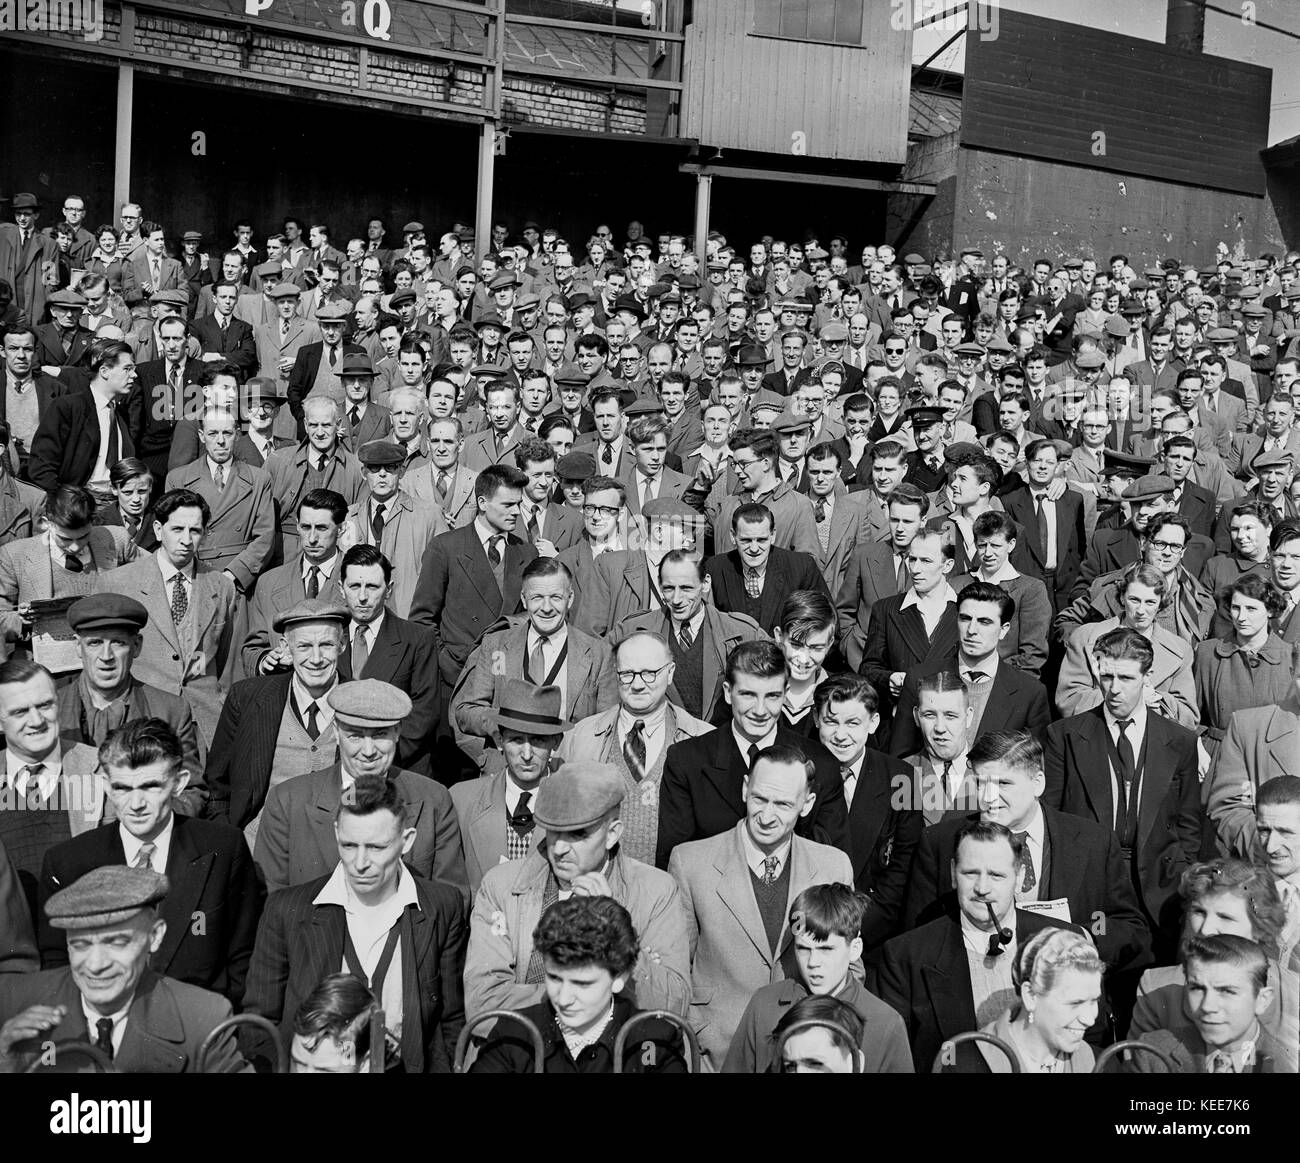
63 342
579 810
29 260
278 345
495 810
296 841
279 725
107 695
240 537
108 996
208 864
258 309
541 647
375 910
318 366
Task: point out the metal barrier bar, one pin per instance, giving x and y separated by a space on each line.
976 1036
462 1043
692 1042
264 1024
102 1062
1130 1044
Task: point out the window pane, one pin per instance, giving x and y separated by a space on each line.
821 19
767 17
848 22
794 18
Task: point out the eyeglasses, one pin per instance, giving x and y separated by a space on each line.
625 677
1168 546
594 510
895 350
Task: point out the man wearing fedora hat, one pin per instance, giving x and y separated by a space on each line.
28 259
260 404
541 647
579 811
144 1022
363 419
495 811
296 842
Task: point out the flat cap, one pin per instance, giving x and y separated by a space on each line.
269 269
657 290
577 796
1277 458
333 313
913 259
716 264
1116 463
1255 311
688 282
311 610
1132 308
570 374
358 363
283 291
766 406
1249 294
968 351
670 507
26 202
192 236
379 453
1144 488
999 344
402 298
1223 334
816 253
1089 359
107 895
525 301
1117 327
791 421
66 298
175 298
488 371
503 281
834 331
975 250
923 415
107 611
413 228
576 466
752 355
963 452
580 299
1073 264
643 406
367 702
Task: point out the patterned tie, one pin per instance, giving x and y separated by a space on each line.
360 652
634 751
104 1036
28 779
1030 877
607 455
753 587
522 819
180 599
1221 1063
313 582
685 636
72 563
770 866
530 525
144 859
850 779
220 477
975 677
174 381
440 487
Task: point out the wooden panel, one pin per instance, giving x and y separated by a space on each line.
757 93
1048 90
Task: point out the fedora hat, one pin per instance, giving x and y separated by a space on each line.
535 710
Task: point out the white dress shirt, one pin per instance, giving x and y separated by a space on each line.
1136 734
744 744
550 652
162 846
654 732
324 712
1049 519
931 607
118 1019
48 780
756 859
105 417
324 568
852 776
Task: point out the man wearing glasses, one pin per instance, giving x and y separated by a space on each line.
83 242
130 241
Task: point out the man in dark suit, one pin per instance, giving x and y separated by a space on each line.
167 391
883 827
925 974
1195 502
207 865
756 577
918 626
225 336
700 794
1053 544
22 374
364 419
70 447
308 377
28 258
1134 772
470 577
312 929
393 650
1003 698
63 342
1072 868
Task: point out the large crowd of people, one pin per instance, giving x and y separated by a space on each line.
621 655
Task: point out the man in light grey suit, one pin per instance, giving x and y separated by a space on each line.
445 481
736 889
187 640
541 647
278 345
495 811
497 444
647 436
841 516
296 841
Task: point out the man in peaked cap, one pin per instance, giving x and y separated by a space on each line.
318 366
107 995
296 841
579 811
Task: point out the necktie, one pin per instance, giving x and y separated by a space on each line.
606 455
354 416
685 636
1030 878
284 330
27 236
947 773
440 487
72 563
313 727
494 550
1221 1063
933 462
174 395
770 866
904 578
104 1036
753 587
113 455
819 509
360 652
156 274
1124 749
647 491
537 660
223 321
377 522
180 599
28 779
634 752
144 858
313 582
530 525
1042 529
522 820
334 357
320 463
975 677
220 477
752 754
850 779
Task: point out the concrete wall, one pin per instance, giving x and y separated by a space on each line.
919 222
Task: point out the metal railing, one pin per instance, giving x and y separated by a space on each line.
1131 1044
102 1062
534 1034
952 1043
692 1042
267 1026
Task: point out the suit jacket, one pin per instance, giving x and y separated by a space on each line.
721 632
501 654
731 957
50 352
1261 743
289 468
197 676
167 1023
479 449
408 528
1084 867
277 589
925 976
302 376
460 507
671 484
248 453
300 942
1077 766
869 575
211 875
481 813
272 347
147 412
1016 702
849 528
621 586
296 843
1187 1051
237 343
457 592
375 423
1071 538
21 507
786 571
66 444
700 792
136 276
1199 506
17 940
896 640
241 534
